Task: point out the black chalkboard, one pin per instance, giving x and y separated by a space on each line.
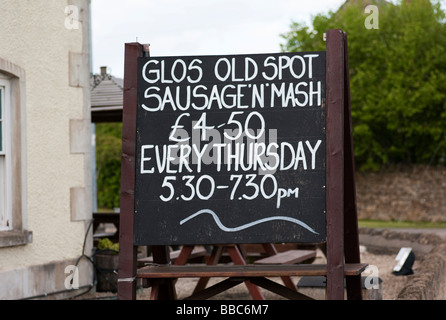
230 149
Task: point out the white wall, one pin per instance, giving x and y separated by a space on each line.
54 54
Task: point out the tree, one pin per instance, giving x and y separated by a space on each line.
108 164
397 78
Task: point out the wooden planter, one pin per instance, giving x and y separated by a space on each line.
107 271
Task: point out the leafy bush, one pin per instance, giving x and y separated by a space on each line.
397 75
107 244
108 164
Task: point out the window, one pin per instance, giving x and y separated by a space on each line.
5 179
13 222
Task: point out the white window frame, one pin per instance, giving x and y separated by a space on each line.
15 232
6 222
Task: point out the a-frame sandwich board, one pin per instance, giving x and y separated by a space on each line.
342 241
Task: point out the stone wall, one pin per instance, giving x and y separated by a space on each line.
414 193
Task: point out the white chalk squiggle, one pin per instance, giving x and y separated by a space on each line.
248 225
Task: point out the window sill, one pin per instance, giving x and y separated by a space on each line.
15 238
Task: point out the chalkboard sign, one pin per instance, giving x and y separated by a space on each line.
230 149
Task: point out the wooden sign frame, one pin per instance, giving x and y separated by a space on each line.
342 241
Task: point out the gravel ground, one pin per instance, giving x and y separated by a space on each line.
390 287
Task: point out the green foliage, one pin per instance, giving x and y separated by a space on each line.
397 78
107 244
108 163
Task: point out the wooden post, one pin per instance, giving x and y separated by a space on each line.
335 164
351 235
127 251
163 290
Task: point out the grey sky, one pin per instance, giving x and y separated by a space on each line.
194 27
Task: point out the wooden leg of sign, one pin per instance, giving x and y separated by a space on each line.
271 250
184 255
162 289
213 259
279 289
238 259
128 251
165 289
351 236
217 288
342 225
335 164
